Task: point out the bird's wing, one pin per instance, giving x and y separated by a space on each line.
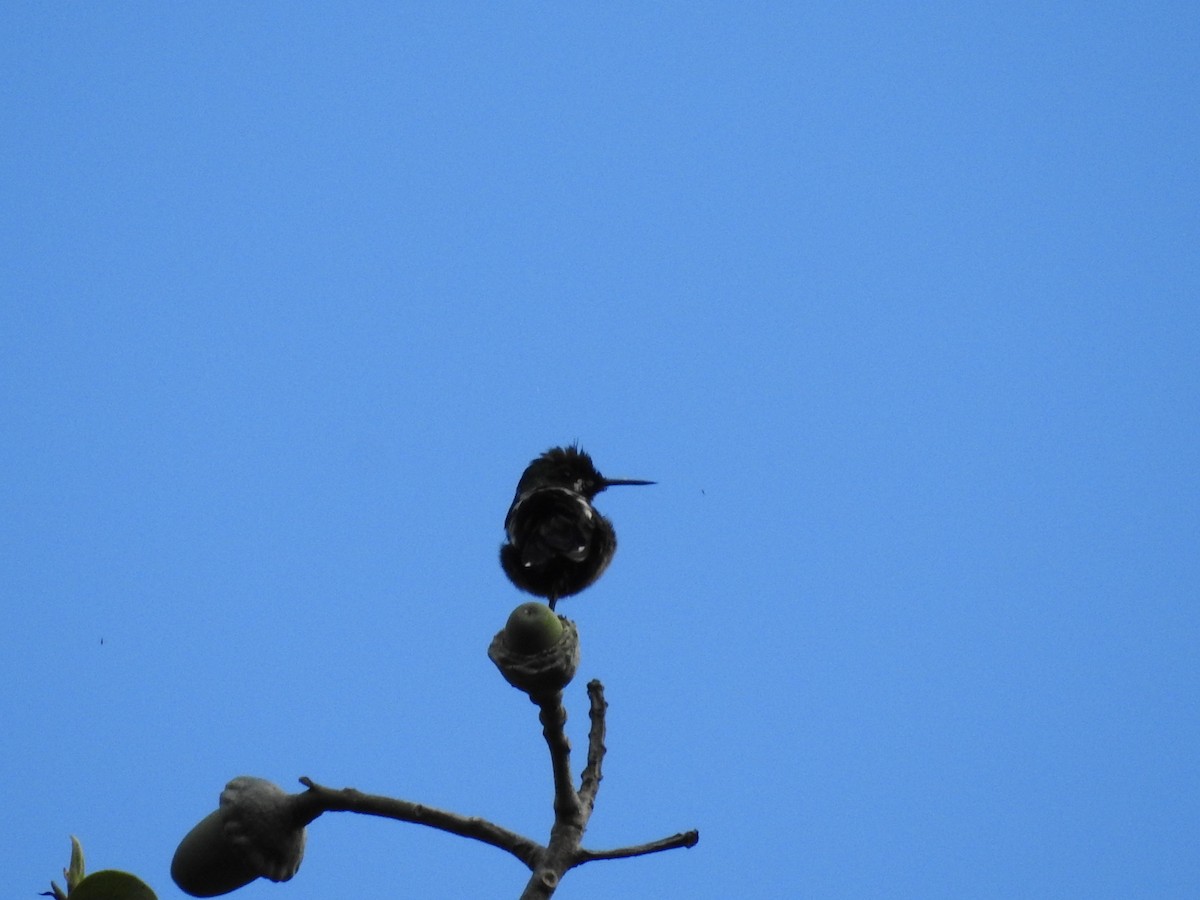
551 522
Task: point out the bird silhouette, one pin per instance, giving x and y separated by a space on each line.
558 543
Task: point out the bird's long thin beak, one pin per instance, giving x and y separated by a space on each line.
609 482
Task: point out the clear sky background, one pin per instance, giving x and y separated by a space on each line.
897 302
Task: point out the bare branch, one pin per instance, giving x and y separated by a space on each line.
572 809
319 799
683 839
553 717
590 781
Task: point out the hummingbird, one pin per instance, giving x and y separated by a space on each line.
558 543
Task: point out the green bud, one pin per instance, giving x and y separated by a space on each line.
531 628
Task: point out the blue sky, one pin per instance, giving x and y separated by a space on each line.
897 303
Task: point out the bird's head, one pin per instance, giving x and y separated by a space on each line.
571 468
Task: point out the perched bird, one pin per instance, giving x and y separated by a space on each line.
558 543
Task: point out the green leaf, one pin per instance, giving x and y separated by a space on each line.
74 873
110 884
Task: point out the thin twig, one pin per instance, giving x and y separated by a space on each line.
318 799
553 717
590 781
683 839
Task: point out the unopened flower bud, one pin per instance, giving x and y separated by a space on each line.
256 832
